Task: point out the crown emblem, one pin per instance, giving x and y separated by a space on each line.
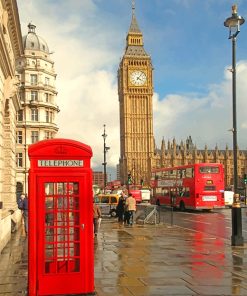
60 150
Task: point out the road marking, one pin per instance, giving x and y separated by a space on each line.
197 221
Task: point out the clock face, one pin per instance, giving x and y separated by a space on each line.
138 78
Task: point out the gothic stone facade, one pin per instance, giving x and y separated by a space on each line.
174 154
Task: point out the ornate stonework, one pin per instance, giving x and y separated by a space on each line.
173 154
10 49
135 88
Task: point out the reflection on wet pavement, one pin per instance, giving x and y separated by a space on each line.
146 261
13 266
162 260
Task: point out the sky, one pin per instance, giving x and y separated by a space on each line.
191 55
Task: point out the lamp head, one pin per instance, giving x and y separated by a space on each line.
234 22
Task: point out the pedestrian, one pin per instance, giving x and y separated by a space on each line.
131 208
96 218
23 206
120 208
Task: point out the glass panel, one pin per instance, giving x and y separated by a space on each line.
105 199
75 188
209 169
113 200
49 219
49 203
62 230
49 188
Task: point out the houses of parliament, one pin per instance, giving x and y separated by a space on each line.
138 151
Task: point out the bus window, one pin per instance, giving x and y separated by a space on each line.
173 174
158 174
181 174
209 188
165 192
209 169
184 192
189 173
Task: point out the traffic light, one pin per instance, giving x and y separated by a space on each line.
129 178
142 182
245 179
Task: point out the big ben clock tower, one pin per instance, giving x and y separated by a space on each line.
135 91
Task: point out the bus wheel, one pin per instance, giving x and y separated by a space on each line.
181 206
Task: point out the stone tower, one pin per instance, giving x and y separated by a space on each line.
135 91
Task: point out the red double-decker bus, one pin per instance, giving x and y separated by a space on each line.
196 186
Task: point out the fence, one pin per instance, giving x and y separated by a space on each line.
147 214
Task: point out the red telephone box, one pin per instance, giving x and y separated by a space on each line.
60 246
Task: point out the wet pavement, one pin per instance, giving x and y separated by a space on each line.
146 260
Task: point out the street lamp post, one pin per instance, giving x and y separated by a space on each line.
104 135
233 23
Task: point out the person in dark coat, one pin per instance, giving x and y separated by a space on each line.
23 206
120 208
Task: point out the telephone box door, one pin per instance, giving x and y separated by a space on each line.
62 229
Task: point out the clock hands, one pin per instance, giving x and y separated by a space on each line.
138 78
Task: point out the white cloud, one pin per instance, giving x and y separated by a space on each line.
207 119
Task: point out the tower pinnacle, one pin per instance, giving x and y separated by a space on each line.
133 7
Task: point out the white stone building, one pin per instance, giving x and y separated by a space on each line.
10 49
37 119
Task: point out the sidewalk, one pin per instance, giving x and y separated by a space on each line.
146 261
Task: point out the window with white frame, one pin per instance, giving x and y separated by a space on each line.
47 81
34 79
34 114
34 96
19 137
20 115
19 160
48 135
47 97
34 136
49 116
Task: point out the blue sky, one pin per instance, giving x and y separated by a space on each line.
190 52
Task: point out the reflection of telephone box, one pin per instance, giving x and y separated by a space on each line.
60 239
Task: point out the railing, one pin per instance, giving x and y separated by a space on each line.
147 214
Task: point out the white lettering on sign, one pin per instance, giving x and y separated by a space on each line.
60 163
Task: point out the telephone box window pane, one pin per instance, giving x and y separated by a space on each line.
49 188
74 219
49 253
74 234
49 237
49 219
62 203
49 203
61 188
62 230
61 237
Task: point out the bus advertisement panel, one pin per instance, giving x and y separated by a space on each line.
196 186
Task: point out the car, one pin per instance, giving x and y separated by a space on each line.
107 203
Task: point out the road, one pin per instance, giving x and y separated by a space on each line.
217 222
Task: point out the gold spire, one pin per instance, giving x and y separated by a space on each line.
133 7
234 9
